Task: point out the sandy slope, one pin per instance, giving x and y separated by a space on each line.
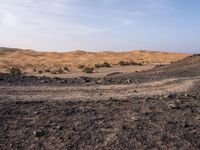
30 58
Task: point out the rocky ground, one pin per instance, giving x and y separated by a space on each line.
155 109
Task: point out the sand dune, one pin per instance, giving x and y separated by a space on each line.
30 58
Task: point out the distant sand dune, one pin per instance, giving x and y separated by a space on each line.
26 58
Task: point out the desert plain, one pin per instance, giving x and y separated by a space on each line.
151 103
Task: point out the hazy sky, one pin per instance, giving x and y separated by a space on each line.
170 25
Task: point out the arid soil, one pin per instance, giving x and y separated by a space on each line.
152 109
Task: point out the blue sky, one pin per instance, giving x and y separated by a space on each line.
118 25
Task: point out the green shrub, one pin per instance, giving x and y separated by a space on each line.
105 64
88 69
65 68
40 71
122 63
81 67
15 71
126 63
53 72
60 71
97 66
47 70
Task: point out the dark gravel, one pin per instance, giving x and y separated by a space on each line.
172 122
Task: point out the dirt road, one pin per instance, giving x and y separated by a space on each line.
95 92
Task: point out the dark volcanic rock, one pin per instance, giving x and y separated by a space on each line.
137 123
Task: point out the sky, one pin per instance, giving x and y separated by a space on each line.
93 25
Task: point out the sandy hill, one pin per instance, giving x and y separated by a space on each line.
27 58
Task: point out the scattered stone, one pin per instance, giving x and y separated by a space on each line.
99 81
59 127
172 106
165 96
63 81
172 96
128 81
39 133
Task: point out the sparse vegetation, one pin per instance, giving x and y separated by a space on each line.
57 71
81 66
34 70
60 71
105 64
126 63
66 68
53 72
40 71
122 63
97 66
15 71
88 69
47 70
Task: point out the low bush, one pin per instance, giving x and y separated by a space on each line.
88 69
126 63
60 71
40 71
53 72
47 70
105 64
66 68
15 71
97 66
122 63
81 66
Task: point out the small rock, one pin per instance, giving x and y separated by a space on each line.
59 127
111 99
129 81
99 81
172 106
64 81
172 96
39 133
43 81
165 96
